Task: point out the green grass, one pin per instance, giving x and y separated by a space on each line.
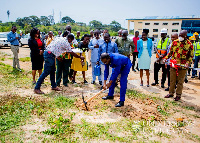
26 59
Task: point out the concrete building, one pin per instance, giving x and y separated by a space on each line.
173 24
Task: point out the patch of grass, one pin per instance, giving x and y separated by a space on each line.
2 59
26 59
162 111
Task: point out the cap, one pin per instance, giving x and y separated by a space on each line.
163 30
196 33
192 38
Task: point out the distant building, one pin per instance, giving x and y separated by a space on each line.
174 24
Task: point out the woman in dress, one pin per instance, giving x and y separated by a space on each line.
144 46
37 50
77 64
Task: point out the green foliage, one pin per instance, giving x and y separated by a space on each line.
67 19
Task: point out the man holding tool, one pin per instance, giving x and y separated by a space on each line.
181 53
120 65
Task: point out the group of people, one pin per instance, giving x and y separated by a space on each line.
66 54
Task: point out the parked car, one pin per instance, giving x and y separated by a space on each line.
24 40
3 40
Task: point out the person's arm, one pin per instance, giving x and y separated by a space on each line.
190 55
91 45
115 48
132 47
33 48
9 38
116 71
170 52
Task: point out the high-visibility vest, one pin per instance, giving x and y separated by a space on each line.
162 47
197 50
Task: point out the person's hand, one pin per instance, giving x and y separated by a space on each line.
165 65
97 63
41 52
16 37
109 84
82 58
164 60
187 65
96 46
104 87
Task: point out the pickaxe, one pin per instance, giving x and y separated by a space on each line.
85 102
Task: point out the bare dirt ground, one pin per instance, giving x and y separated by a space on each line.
136 109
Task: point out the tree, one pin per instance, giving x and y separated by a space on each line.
34 20
44 20
95 24
115 26
67 19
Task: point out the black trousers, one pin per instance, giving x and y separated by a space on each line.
157 67
135 55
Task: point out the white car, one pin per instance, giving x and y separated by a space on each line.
3 40
24 40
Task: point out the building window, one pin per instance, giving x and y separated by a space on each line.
155 30
139 22
147 23
175 23
174 30
155 36
156 23
165 24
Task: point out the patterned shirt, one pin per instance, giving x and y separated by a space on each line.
58 46
49 40
125 47
181 52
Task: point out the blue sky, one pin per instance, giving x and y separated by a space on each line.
101 10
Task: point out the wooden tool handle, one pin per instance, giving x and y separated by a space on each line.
92 97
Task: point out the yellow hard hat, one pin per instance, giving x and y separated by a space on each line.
196 33
192 38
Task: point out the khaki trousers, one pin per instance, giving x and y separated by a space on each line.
180 80
15 50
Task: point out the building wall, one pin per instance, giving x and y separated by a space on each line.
154 29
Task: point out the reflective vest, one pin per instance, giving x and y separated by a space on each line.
197 50
162 47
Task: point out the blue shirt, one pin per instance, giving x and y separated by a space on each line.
140 47
11 37
94 51
118 61
110 47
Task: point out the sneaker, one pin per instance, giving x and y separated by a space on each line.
93 82
85 82
100 82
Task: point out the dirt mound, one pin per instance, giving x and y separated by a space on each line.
134 108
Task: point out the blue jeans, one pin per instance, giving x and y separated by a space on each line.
49 68
123 82
197 58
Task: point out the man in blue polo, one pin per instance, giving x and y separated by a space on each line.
120 64
13 38
107 46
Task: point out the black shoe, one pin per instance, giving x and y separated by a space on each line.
85 82
119 104
73 82
108 97
93 82
137 69
186 80
100 82
154 84
192 76
162 85
134 70
188 74
177 98
167 89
